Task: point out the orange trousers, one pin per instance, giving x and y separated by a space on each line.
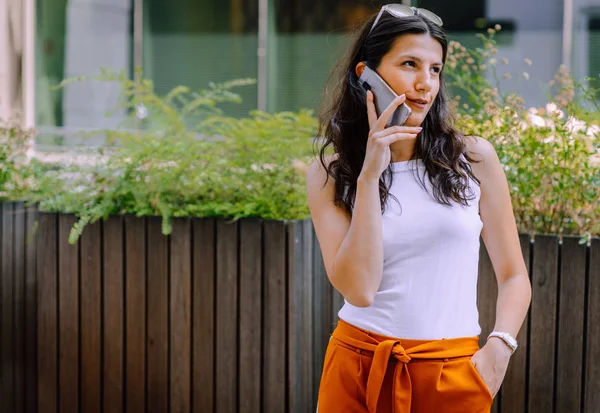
366 372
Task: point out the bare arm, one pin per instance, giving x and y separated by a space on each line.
502 243
352 246
501 239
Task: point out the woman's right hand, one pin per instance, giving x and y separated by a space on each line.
378 155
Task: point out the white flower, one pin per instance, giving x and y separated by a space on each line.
536 120
575 125
551 107
593 130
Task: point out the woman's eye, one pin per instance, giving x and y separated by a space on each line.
409 62
436 69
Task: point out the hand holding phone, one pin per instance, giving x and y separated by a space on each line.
384 96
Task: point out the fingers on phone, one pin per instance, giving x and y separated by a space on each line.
371 111
387 113
388 140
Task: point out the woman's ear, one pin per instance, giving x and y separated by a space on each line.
359 68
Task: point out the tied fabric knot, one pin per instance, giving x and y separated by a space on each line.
383 352
386 348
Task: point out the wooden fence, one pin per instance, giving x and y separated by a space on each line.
235 317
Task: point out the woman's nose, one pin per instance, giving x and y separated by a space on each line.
423 82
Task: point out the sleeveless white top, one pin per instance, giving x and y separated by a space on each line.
430 264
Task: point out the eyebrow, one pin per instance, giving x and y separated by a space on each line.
415 58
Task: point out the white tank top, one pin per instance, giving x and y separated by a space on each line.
430 264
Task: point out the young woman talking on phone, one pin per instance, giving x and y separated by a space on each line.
398 211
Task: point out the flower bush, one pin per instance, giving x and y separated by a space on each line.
551 155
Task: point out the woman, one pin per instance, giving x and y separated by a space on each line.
398 212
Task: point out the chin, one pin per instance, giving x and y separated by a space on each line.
413 121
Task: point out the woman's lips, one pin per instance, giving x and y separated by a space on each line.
415 104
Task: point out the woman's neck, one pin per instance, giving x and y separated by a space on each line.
403 150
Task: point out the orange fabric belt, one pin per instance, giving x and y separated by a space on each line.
384 348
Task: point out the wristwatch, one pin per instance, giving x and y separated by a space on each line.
507 338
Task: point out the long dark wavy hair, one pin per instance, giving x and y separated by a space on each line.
344 121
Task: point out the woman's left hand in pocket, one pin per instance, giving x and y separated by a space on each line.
491 361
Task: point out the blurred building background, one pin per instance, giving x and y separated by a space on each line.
290 46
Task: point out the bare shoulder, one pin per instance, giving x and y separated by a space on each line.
316 174
484 154
487 167
480 149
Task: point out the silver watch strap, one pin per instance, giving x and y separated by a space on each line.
507 338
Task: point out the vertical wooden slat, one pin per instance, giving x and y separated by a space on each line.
592 355
158 318
250 315
31 303
275 289
203 316
180 313
570 324
514 385
227 317
19 297
47 315
135 314
297 281
307 275
543 324
7 349
337 302
91 318
68 315
113 316
487 294
322 315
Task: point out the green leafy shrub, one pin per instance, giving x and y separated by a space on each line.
189 160
178 155
16 172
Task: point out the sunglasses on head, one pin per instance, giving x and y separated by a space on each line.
402 10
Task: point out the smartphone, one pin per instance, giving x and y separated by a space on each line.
383 96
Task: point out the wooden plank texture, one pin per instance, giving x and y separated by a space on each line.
203 316
135 314
31 306
180 316
113 315
250 315
275 292
543 324
68 316
7 308
158 318
592 372
47 316
487 294
570 325
91 319
514 387
227 318
19 309
322 314
300 284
